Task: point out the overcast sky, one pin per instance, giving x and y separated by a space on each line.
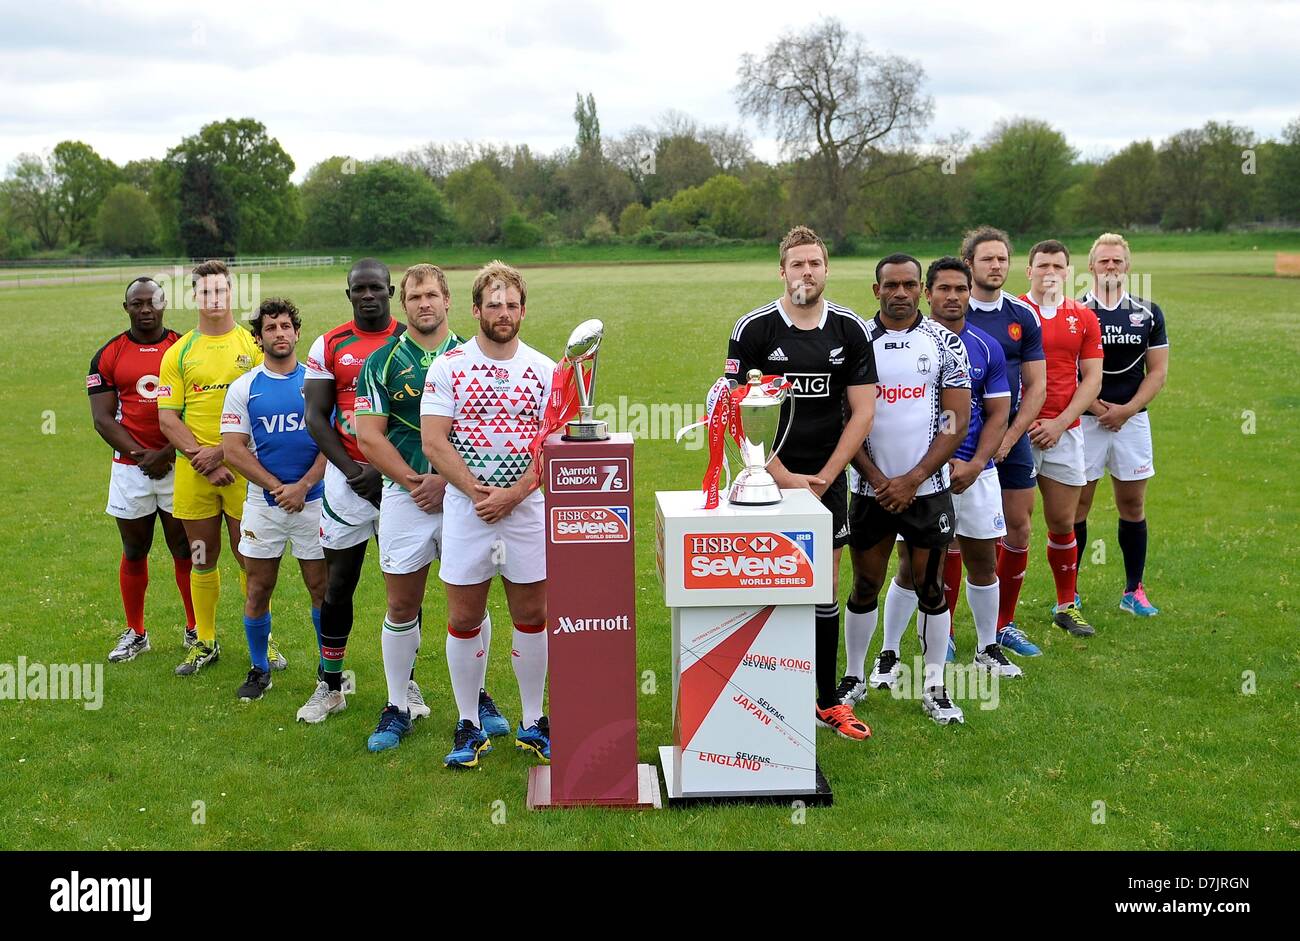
377 78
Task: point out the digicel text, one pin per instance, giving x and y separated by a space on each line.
892 394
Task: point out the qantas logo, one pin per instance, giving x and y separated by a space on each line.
590 524
748 560
892 394
214 387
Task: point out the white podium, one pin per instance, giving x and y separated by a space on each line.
741 583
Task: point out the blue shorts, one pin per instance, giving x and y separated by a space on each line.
1016 472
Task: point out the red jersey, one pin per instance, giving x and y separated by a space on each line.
1070 336
130 368
338 356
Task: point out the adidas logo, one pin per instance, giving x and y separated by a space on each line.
777 356
843 531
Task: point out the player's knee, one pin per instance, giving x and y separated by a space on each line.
865 591
402 612
930 599
463 628
135 551
259 599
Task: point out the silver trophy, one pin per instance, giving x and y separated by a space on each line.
583 345
760 417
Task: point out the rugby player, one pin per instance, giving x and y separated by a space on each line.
976 496
1072 342
264 433
350 511
482 406
1013 323
822 348
410 514
123 385
192 383
901 485
1116 428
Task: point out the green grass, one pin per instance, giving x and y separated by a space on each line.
1148 717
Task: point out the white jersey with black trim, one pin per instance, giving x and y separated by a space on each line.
914 366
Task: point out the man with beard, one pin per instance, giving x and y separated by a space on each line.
823 350
410 514
1013 323
482 406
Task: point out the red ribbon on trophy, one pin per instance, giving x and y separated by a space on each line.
722 411
561 405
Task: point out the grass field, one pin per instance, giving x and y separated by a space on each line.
1149 717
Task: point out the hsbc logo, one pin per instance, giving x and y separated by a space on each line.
892 394
584 625
748 560
807 385
590 524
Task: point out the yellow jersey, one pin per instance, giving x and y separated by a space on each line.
196 371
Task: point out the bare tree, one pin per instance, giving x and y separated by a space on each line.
832 103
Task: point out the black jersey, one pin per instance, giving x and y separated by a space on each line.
1128 330
820 364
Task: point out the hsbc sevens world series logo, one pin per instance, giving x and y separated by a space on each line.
748 560
590 524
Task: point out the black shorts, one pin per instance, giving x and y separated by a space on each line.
836 499
926 524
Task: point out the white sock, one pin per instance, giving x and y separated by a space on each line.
467 664
934 628
983 601
859 628
529 659
485 632
400 644
900 605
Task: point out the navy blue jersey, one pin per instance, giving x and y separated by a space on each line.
1128 330
1015 326
269 408
988 380
820 363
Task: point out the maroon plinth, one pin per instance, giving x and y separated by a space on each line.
591 630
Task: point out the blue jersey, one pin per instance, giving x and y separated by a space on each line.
988 380
1015 326
269 408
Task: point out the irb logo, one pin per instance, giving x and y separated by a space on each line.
590 524
748 560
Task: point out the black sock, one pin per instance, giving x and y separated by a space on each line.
335 626
1081 541
1133 543
419 626
827 648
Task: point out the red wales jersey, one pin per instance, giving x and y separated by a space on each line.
1071 334
130 368
338 356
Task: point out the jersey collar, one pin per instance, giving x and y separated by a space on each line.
882 325
1124 301
780 307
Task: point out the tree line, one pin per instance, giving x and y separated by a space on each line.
854 163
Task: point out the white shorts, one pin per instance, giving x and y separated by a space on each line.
346 519
409 538
1126 453
473 551
1064 462
264 531
979 508
132 495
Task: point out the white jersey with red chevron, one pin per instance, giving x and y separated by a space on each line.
496 407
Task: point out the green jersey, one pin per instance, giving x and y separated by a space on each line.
391 383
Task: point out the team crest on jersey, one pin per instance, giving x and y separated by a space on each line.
923 364
976 372
1137 319
1073 323
837 356
1014 331
244 361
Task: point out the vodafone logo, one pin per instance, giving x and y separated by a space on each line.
748 560
590 524
892 394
